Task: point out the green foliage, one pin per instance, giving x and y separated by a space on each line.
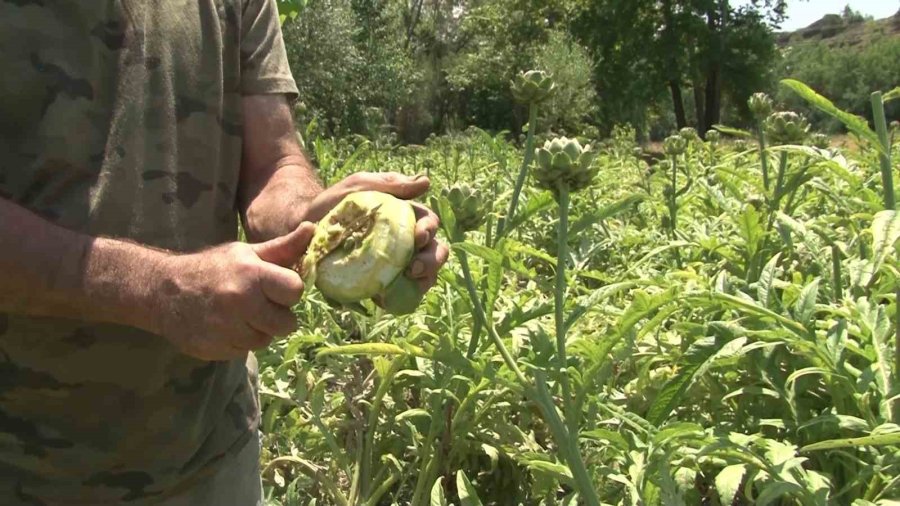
847 75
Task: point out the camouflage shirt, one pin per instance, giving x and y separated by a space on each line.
122 118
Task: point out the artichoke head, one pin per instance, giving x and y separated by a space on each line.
760 106
786 127
532 87
564 160
361 249
713 137
675 145
467 205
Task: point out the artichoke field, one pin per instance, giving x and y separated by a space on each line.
718 327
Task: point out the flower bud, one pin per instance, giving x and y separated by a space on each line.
760 106
786 127
532 87
564 160
674 145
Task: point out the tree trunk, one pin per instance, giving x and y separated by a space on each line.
715 21
700 106
680 119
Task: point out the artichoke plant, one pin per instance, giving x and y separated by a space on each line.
564 160
532 87
467 205
713 137
786 127
361 249
760 106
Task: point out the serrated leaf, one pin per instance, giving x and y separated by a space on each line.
728 482
373 349
854 123
467 494
696 361
885 233
776 490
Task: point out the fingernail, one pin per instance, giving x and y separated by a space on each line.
417 269
419 176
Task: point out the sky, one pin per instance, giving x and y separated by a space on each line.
801 13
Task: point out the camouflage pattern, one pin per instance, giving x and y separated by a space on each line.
122 118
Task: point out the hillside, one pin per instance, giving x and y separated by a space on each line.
836 31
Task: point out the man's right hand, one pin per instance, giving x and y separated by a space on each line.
220 303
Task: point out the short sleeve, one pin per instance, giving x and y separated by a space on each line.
264 63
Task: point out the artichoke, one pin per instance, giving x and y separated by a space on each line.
713 137
532 87
467 205
675 145
786 127
820 140
689 134
564 160
361 249
760 106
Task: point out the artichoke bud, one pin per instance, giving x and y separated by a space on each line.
689 134
674 145
564 160
532 87
786 127
760 106
820 140
467 204
713 137
360 251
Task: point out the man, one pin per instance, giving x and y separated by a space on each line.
133 133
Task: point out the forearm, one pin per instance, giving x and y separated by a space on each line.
278 181
51 271
282 202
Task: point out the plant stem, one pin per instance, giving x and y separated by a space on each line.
523 172
568 444
887 176
836 273
763 158
560 303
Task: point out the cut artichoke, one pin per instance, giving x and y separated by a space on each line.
360 251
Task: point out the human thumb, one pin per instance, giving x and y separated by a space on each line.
286 250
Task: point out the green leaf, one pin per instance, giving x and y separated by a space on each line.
558 471
736 132
610 436
885 233
412 413
891 439
766 281
854 123
589 219
776 490
696 361
373 349
437 493
891 95
805 307
728 482
467 494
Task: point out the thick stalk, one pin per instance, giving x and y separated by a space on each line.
523 173
836 273
887 176
560 303
673 198
763 158
568 443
